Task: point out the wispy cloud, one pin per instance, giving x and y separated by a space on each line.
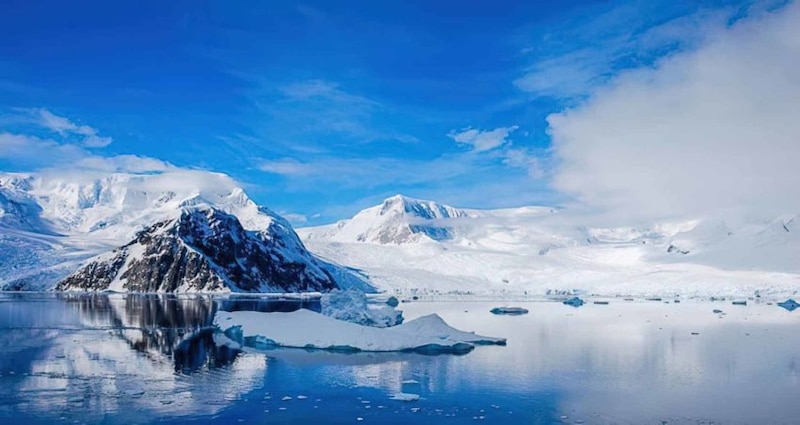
87 136
497 144
703 130
482 140
25 151
318 114
614 40
324 90
295 218
369 173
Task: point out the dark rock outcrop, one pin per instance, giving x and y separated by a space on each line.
205 249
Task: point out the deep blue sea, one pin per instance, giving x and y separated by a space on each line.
133 359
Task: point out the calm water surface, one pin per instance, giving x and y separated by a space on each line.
134 359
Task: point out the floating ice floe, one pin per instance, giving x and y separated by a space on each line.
310 330
514 311
405 397
574 301
789 304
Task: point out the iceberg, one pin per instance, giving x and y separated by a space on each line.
790 305
574 301
353 306
310 330
514 311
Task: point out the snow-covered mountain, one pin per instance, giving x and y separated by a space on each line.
398 220
203 249
174 231
413 245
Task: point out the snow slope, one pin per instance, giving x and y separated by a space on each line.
51 224
541 251
397 220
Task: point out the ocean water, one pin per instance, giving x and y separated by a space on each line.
133 359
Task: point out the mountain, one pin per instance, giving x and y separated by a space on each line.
398 220
204 249
409 245
181 230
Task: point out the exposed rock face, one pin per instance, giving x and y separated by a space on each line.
205 249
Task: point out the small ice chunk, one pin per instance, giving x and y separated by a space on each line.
574 301
353 306
790 305
513 311
405 397
286 398
301 397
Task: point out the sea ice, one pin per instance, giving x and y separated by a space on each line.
310 330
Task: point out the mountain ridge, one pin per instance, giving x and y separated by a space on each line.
52 225
540 250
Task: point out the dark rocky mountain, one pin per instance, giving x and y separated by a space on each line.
207 250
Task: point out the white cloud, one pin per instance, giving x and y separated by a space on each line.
124 164
34 150
708 129
87 136
294 218
30 152
482 140
522 158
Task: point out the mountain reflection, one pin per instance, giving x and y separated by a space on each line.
173 326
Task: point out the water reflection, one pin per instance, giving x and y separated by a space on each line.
199 351
136 359
87 355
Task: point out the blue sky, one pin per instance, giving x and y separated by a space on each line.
323 108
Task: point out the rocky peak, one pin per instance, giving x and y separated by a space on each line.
204 249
